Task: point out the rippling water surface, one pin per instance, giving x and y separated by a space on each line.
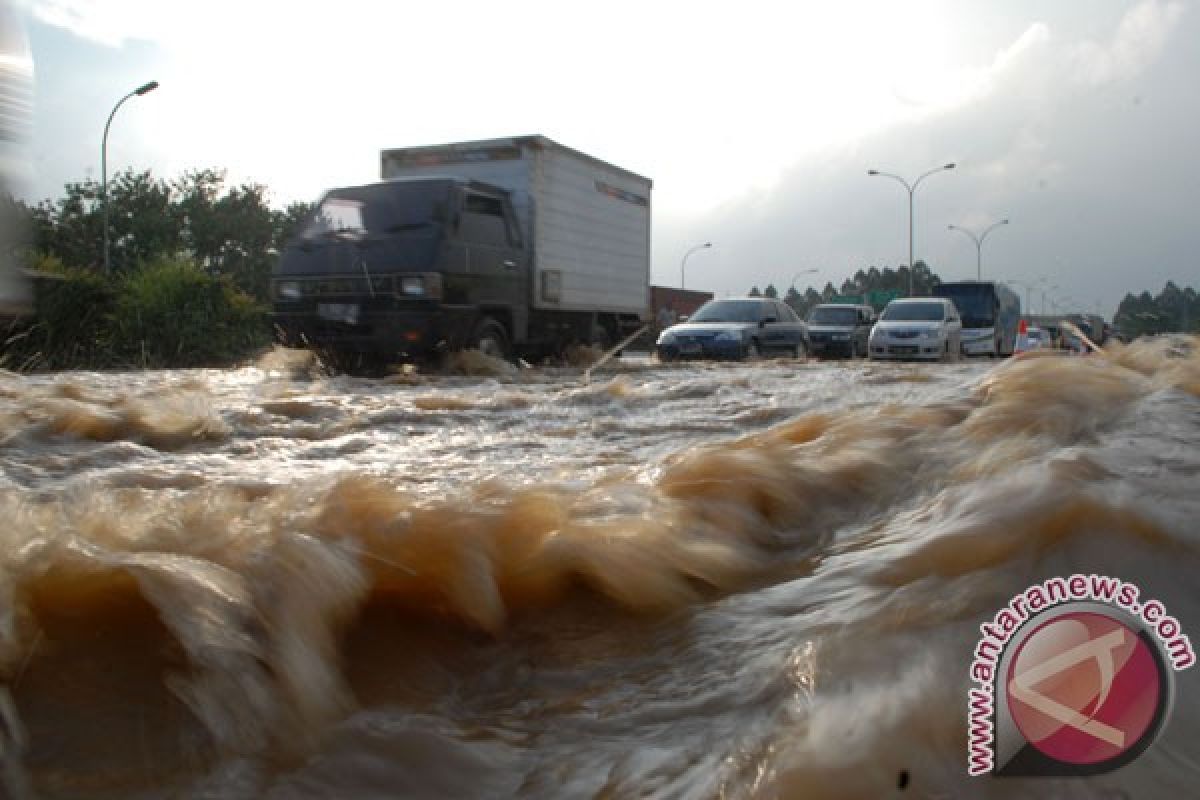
735 581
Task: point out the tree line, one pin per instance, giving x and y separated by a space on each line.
1171 310
191 261
225 231
872 279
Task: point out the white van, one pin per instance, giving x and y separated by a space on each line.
926 328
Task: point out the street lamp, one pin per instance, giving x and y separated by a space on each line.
911 189
1028 287
1045 289
683 263
978 244
141 90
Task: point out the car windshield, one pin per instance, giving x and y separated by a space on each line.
914 312
833 316
729 311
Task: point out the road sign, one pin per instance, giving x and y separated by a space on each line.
881 297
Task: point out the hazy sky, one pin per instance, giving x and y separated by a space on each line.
1078 121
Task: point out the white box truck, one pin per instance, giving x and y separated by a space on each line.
513 246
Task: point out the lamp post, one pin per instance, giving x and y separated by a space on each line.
802 272
683 263
1046 288
912 188
978 243
1028 287
141 90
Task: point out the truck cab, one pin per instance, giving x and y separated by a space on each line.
510 246
405 267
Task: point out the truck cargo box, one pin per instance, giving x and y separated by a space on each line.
588 221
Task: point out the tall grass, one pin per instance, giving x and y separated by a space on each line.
169 313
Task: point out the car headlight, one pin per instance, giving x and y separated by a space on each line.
288 290
666 337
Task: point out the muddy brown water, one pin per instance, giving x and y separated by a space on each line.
695 581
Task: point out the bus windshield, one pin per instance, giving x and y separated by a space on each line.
976 305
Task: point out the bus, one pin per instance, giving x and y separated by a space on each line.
990 314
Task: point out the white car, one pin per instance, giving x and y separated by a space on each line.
1032 339
917 327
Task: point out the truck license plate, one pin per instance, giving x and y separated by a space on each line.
338 312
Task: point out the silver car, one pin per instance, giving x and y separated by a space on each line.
919 328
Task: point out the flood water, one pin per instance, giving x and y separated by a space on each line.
697 581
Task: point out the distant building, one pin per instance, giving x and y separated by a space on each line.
676 302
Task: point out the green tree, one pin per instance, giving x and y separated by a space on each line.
144 221
289 221
771 291
923 279
1172 310
228 232
754 292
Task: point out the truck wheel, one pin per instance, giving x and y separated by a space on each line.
489 338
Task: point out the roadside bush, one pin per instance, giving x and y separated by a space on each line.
169 313
70 327
172 314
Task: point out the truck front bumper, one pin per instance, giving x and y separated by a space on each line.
372 332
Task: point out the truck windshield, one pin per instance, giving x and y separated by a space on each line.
381 208
914 312
833 316
336 215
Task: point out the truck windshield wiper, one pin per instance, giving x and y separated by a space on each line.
406 226
344 233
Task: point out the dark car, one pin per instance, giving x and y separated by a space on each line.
740 328
839 329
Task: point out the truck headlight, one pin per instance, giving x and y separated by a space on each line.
422 284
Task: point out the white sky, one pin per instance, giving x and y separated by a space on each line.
757 121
